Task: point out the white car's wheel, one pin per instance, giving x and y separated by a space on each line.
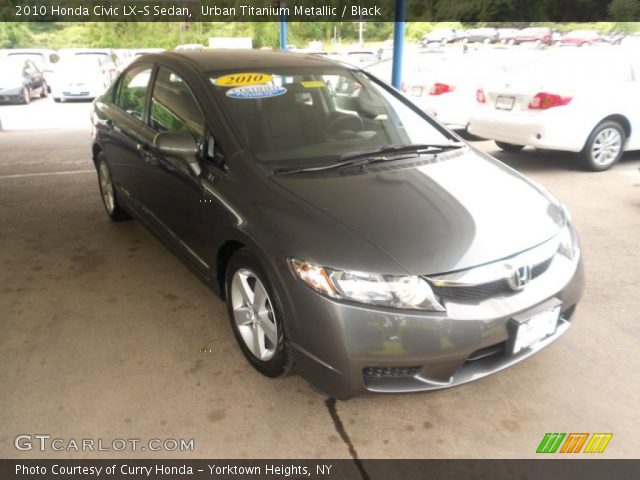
604 147
509 147
26 96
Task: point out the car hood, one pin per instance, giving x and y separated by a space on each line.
431 216
10 81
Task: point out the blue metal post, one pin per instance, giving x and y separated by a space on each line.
283 28
398 42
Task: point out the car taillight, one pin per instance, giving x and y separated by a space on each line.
480 96
440 88
403 87
544 100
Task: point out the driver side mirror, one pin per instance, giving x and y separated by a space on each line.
179 145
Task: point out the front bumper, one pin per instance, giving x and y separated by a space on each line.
10 94
348 349
76 92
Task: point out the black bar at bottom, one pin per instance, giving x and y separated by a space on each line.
543 469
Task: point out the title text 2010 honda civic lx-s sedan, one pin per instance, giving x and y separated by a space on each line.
354 239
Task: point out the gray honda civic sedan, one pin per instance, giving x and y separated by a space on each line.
356 241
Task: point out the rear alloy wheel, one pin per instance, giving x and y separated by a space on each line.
108 193
256 316
26 96
509 147
604 146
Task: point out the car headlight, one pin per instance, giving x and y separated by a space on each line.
569 244
408 292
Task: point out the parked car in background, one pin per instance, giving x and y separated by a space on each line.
482 35
506 35
360 57
195 47
448 92
81 77
561 102
614 38
20 80
441 35
537 35
417 63
355 240
580 38
143 51
108 58
44 59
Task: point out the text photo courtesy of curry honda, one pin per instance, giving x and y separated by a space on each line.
218 230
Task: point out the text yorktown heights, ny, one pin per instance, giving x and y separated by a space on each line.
124 469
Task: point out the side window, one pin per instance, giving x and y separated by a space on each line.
173 106
132 93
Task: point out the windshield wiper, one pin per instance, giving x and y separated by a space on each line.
334 166
415 148
378 155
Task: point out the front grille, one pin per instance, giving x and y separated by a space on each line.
488 290
391 372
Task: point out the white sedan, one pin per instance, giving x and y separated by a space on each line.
447 90
577 101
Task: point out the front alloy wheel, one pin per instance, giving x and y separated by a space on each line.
256 315
604 146
26 96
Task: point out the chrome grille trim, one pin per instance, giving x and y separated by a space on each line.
497 271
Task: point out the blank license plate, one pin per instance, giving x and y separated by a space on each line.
505 103
535 328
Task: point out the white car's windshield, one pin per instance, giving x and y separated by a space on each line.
300 114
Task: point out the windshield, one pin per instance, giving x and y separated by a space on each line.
296 116
36 58
80 67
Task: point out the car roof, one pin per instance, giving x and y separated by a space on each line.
231 59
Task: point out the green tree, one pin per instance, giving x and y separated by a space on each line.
624 10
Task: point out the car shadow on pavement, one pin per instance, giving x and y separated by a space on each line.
531 160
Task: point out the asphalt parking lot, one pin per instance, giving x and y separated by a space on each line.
105 334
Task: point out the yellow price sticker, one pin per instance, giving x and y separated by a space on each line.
314 84
241 79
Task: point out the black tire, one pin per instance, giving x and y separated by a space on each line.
588 154
281 363
116 212
509 147
57 99
26 96
45 90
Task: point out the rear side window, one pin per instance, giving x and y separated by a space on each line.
173 106
132 94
